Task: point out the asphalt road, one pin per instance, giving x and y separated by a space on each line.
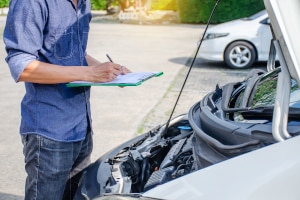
119 113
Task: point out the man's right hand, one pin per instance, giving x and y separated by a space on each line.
105 72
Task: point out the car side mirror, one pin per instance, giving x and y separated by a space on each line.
266 21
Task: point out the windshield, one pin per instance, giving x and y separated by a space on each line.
263 96
265 93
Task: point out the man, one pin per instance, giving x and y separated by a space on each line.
46 48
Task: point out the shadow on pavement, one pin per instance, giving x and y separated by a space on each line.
200 63
4 196
184 61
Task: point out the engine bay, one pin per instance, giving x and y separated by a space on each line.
154 160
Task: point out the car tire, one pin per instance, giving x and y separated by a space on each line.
240 55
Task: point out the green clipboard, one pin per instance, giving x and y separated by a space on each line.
129 79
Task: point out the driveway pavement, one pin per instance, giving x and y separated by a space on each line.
117 112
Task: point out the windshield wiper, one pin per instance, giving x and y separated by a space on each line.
267 113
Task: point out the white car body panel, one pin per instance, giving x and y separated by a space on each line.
251 31
272 172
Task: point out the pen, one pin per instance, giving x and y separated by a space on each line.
109 58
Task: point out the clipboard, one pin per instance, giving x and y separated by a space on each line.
129 79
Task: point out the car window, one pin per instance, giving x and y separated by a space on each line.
258 91
264 94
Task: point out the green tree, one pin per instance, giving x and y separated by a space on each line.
4 3
98 4
198 11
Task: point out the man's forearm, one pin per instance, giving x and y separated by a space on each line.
40 72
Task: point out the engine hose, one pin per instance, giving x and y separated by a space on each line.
143 173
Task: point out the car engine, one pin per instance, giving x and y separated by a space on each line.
154 160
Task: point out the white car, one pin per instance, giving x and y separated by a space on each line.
239 43
241 141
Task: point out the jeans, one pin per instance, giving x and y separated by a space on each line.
53 168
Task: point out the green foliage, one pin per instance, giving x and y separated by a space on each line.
164 5
4 3
98 4
198 11
194 11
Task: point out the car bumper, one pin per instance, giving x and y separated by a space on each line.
213 49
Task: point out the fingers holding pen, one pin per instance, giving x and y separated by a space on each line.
104 72
123 70
120 70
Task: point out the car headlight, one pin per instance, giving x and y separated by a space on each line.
209 36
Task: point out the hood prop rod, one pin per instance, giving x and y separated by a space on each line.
191 65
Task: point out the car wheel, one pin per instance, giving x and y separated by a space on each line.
240 55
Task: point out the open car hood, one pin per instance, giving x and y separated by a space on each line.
205 150
284 17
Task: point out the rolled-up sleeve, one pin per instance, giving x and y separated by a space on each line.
18 63
23 34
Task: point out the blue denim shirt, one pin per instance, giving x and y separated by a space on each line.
51 31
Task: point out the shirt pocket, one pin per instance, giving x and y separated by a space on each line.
63 47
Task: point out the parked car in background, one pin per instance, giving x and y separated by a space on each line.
238 43
241 141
